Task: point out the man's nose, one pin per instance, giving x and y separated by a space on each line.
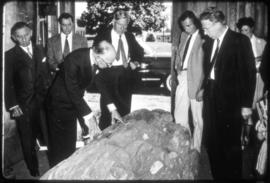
24 38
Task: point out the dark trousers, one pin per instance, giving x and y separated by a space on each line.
62 134
222 138
28 128
122 95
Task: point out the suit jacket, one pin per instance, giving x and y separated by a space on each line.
195 72
107 83
135 50
54 48
73 78
234 74
25 77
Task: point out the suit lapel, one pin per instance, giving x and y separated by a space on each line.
74 42
22 54
223 48
181 47
58 46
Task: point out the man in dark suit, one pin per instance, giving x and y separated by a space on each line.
60 45
229 90
25 89
129 55
65 99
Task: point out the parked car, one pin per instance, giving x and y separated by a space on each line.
155 68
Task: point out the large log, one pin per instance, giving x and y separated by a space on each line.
149 147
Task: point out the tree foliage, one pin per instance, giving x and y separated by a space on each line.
146 14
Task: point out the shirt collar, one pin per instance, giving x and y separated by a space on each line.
29 46
63 36
115 34
194 34
253 38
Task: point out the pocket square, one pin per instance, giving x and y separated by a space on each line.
44 59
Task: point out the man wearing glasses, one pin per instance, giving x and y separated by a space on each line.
128 56
230 84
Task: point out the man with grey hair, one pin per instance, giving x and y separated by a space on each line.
229 89
25 90
128 56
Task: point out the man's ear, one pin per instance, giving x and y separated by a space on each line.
31 32
13 38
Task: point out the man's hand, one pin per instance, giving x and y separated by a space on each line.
199 95
16 112
246 112
116 117
134 65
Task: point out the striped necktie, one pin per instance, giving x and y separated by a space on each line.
120 50
66 48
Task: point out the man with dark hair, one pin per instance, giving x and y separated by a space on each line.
25 89
190 75
60 45
230 83
65 98
129 55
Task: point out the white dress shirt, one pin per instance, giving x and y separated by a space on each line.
28 49
192 40
212 74
115 39
63 41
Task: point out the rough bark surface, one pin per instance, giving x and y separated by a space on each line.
149 147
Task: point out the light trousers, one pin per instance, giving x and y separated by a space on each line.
182 105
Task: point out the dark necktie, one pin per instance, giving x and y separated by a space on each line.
214 59
120 50
185 51
66 48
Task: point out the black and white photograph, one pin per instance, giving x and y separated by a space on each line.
134 90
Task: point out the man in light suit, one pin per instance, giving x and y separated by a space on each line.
230 83
65 99
64 43
189 66
25 90
60 45
129 55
